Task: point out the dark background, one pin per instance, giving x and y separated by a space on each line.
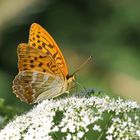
109 30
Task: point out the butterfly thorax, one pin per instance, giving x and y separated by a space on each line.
70 81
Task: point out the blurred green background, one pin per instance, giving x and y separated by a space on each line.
109 30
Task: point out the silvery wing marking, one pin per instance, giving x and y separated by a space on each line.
35 86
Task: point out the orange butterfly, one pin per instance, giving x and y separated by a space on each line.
43 73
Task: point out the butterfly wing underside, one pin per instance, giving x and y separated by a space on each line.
33 87
39 76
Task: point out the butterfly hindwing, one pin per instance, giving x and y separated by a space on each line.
35 86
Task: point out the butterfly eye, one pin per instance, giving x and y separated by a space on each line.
68 76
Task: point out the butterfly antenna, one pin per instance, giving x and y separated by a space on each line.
81 86
83 64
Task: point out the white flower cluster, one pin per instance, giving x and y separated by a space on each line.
75 118
124 129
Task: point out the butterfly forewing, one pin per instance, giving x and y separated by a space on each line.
40 38
29 58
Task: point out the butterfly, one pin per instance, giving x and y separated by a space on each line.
43 72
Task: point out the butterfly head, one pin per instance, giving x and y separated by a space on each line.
71 81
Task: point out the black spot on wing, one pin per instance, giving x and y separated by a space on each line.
39 47
37 36
32 66
33 44
40 64
35 58
31 61
50 46
54 55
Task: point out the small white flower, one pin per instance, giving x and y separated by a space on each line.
97 128
138 132
72 128
111 129
56 129
80 134
68 137
136 117
64 129
109 137
124 124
